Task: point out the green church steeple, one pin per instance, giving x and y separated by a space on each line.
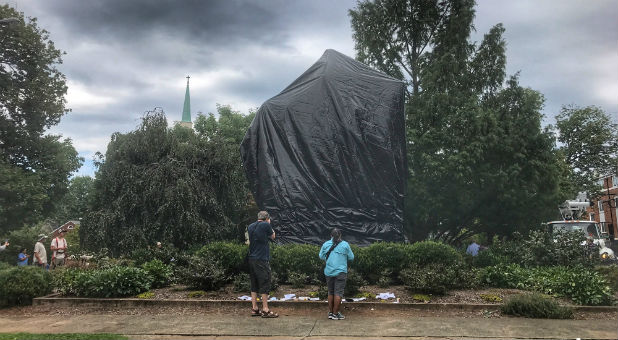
186 110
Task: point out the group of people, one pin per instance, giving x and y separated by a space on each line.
335 252
58 247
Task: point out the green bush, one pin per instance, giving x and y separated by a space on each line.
385 280
610 275
203 273
165 254
504 276
434 279
242 283
535 306
430 252
230 256
373 260
4 265
486 258
299 258
161 274
19 285
297 280
353 283
109 282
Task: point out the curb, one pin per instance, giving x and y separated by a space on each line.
56 300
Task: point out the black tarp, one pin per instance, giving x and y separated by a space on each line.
329 151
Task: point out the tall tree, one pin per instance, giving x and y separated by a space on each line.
161 184
76 203
589 143
34 167
477 156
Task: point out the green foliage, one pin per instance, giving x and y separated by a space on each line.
297 280
228 254
196 294
161 274
322 292
24 237
19 285
164 254
491 297
476 136
145 295
589 140
582 285
161 184
203 273
62 336
34 165
535 306
76 203
299 258
610 275
353 283
385 279
117 281
242 283
421 297
434 279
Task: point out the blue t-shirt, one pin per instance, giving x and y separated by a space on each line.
259 233
338 259
22 259
473 249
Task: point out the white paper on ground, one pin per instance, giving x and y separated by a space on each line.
359 299
303 298
274 298
385 296
314 299
244 298
289 296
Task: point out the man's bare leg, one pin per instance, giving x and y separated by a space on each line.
331 303
254 300
336 304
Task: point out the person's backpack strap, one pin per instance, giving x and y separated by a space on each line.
335 244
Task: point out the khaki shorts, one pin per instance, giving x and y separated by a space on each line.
59 262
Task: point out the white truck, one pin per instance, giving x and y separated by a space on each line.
571 211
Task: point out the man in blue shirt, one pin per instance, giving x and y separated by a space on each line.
22 258
473 249
259 263
336 253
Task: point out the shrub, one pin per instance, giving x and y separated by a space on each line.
353 283
421 297
430 252
145 295
161 274
115 281
491 297
535 306
487 257
379 257
165 254
4 265
230 256
203 273
610 275
299 258
196 294
19 285
322 292
435 279
297 280
385 280
242 283
504 276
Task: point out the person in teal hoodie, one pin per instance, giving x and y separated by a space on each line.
336 253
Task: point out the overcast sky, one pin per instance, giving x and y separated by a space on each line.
125 57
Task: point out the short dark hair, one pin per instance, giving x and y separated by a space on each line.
263 216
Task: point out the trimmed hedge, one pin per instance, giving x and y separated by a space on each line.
115 281
19 285
535 306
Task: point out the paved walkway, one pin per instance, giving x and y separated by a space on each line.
222 326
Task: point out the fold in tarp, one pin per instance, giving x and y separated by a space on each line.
329 151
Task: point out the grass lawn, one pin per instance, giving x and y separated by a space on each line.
61 336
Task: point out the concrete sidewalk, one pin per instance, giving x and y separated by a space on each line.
300 327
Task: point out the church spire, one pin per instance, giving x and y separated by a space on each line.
186 110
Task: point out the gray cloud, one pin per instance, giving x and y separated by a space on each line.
126 57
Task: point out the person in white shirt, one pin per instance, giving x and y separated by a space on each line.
40 254
4 245
59 247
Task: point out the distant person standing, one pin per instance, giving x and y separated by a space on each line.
336 253
4 245
22 258
259 263
473 249
40 254
59 247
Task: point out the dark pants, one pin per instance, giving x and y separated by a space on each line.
259 271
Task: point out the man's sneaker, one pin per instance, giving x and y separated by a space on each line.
331 316
338 316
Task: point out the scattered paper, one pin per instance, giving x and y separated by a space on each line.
289 296
244 298
303 298
274 298
359 299
385 296
314 299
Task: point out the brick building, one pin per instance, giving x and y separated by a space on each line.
604 209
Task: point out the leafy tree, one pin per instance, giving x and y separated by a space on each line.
34 167
160 184
226 133
76 203
590 144
478 159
